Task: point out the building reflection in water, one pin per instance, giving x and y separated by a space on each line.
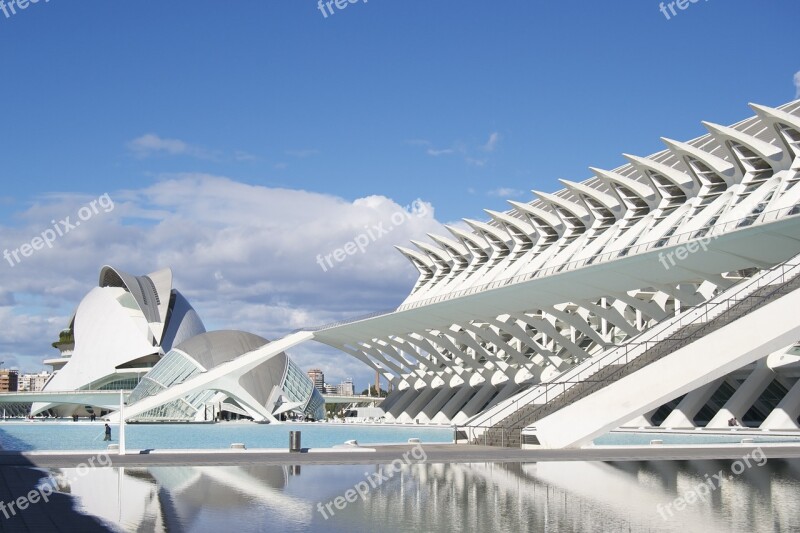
550 496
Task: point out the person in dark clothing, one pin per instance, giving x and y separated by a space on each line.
108 433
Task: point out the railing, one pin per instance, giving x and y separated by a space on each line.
471 435
700 316
704 233
73 392
347 321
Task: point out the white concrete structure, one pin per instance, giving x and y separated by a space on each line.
550 290
224 371
535 291
118 333
137 333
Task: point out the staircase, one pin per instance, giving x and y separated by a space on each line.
733 304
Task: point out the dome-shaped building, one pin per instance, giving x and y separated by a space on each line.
138 333
274 387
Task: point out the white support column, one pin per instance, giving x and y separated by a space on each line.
121 423
687 409
744 397
784 416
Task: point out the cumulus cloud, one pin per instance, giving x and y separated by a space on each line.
151 144
246 256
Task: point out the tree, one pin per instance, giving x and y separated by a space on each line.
371 392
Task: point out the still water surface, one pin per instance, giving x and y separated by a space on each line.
551 496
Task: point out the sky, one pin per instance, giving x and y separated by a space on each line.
242 142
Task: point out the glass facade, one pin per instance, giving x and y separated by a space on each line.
121 384
175 368
299 388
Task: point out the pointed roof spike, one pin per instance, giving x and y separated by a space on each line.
478 242
568 205
683 180
644 191
767 151
457 246
604 198
507 219
501 236
551 219
725 169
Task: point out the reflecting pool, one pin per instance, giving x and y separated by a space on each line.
24 436
422 497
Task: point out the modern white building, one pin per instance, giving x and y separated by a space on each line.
662 293
139 333
553 290
117 334
275 387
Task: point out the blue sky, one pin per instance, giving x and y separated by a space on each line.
461 104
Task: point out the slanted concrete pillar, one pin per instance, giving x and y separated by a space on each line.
784 416
744 397
687 409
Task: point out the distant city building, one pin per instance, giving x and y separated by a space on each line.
33 382
330 389
8 380
317 376
345 388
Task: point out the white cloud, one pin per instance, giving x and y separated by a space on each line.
436 153
797 84
491 144
151 144
505 192
244 255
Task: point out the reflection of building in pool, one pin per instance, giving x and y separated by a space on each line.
138 332
582 496
177 498
546 496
